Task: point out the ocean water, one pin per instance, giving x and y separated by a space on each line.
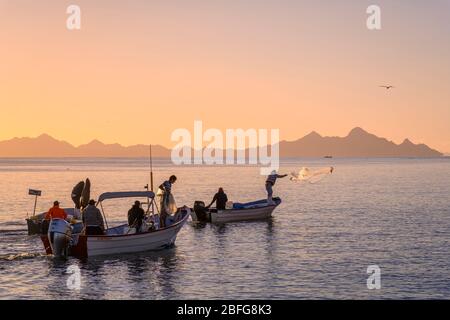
393 213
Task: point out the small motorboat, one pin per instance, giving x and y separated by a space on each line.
256 210
123 239
80 197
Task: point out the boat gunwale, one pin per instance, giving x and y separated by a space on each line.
227 211
244 216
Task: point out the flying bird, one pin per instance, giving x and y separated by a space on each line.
387 87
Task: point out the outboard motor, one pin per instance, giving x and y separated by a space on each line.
201 212
59 236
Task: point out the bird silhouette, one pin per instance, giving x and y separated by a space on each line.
387 87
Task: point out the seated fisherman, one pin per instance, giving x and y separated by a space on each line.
136 216
221 198
93 220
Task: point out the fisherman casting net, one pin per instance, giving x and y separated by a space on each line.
169 206
311 175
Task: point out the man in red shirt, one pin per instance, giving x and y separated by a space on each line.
56 212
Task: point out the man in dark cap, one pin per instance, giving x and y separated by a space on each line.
135 216
93 219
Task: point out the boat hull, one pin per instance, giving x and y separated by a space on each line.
148 241
34 226
225 216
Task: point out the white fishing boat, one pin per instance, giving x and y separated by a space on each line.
123 239
256 210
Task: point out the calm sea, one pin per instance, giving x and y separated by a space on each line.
393 213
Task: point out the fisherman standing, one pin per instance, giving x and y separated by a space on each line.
221 198
93 220
270 182
164 194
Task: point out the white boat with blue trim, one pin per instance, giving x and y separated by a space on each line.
256 210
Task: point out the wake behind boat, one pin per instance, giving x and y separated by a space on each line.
60 240
256 210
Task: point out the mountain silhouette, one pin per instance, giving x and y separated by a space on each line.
358 143
46 146
41 146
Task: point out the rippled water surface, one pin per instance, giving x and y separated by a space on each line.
387 212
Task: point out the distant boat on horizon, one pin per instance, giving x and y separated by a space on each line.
328 157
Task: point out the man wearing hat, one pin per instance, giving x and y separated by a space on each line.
93 220
135 216
55 212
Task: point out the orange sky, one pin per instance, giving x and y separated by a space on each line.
139 69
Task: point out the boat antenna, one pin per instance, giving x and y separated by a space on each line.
151 178
151 169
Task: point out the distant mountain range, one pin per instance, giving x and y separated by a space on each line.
358 143
47 146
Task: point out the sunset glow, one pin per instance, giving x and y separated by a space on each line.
135 73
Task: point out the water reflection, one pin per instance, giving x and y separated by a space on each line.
168 274
56 276
198 224
320 232
149 272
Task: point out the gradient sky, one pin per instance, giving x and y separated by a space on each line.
139 69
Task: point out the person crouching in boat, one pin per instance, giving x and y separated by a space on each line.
136 216
165 197
93 220
270 182
221 198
